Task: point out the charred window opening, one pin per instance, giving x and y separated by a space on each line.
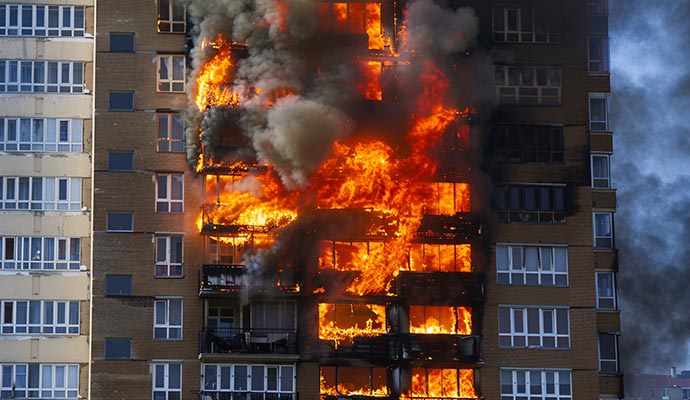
441 320
442 383
342 323
447 198
528 143
532 204
353 17
426 257
352 381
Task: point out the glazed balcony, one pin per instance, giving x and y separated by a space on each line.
215 279
247 341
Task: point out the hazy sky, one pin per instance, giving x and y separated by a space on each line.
650 114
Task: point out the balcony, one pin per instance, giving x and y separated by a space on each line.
468 287
245 395
233 278
248 341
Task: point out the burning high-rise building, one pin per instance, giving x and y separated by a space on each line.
353 199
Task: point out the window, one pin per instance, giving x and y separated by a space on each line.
528 143
34 193
221 318
603 230
169 256
171 73
271 381
41 20
608 353
118 285
121 42
120 161
273 315
598 54
121 101
21 317
120 222
229 250
598 112
531 265
353 381
525 203
118 349
597 7
170 128
606 291
686 393
172 16
167 322
524 25
538 385
352 17
533 327
44 381
40 253
27 76
440 319
167 381
601 171
528 84
169 193
446 383
41 134
439 257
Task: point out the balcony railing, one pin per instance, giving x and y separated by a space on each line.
248 341
228 278
244 395
468 287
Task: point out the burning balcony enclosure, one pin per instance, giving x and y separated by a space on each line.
337 155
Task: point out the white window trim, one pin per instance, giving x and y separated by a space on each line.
604 70
596 234
541 273
279 378
168 83
597 180
166 261
49 188
555 373
48 387
605 97
166 118
613 298
13 78
172 22
508 93
521 33
34 27
164 387
11 325
166 200
18 253
167 326
525 334
43 134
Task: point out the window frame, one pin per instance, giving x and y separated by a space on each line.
169 138
121 213
113 341
506 149
510 203
601 182
171 25
63 27
35 193
169 83
167 328
214 375
519 331
598 66
165 387
40 253
597 236
522 34
43 134
166 263
512 387
112 93
127 292
602 296
128 48
510 83
599 125
47 382
506 274
42 76
166 201
616 354
40 317
112 167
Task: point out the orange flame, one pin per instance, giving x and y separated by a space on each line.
344 322
215 75
353 381
374 32
440 319
371 88
442 383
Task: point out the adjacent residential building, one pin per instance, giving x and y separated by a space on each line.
508 292
46 132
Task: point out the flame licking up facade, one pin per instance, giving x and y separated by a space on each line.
333 153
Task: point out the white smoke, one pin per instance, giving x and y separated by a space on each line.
434 28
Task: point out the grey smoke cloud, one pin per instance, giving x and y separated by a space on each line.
434 28
649 107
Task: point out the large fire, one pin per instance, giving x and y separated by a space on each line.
213 81
344 322
442 383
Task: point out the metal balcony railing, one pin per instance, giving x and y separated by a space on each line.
248 341
225 278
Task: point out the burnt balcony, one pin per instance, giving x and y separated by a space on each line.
248 341
461 227
392 347
233 278
468 287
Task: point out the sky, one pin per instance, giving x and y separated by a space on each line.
650 118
